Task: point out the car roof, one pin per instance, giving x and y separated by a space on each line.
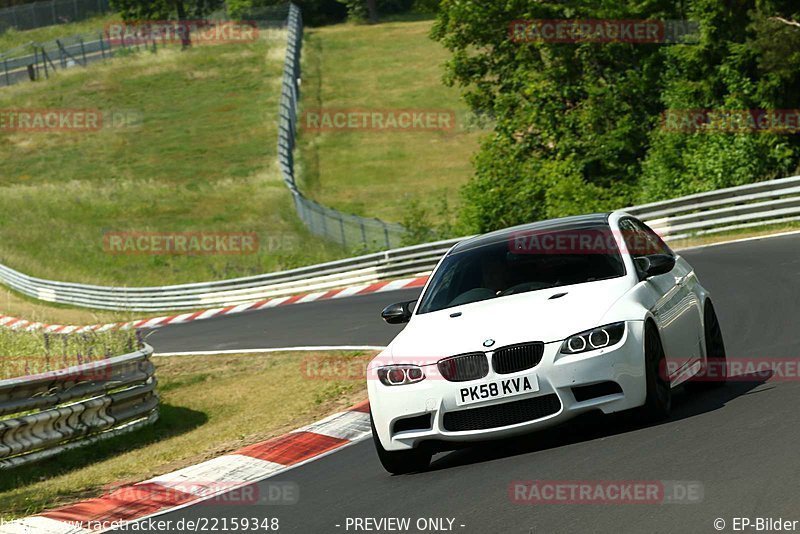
563 223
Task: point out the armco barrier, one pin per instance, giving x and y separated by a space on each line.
75 407
361 270
746 206
775 201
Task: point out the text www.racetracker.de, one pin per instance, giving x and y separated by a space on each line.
201 524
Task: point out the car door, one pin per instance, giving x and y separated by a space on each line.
674 304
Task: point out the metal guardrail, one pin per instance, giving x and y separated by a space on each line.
734 208
360 270
345 229
776 201
47 414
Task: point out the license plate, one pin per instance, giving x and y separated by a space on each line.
498 389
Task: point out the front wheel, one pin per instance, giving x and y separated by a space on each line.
658 402
400 462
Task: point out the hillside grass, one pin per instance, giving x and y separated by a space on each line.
388 66
210 405
201 158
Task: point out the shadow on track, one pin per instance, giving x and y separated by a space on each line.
595 425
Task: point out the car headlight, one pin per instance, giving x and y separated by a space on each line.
400 375
597 338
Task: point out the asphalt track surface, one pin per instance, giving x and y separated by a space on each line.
741 442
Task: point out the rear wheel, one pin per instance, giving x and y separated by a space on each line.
659 393
715 373
400 462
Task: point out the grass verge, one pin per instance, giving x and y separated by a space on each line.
17 305
210 405
384 67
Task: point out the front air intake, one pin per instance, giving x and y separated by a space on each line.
464 367
517 357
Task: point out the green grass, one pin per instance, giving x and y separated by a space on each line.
14 38
203 159
210 405
30 353
382 67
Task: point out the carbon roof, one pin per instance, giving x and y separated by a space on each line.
563 223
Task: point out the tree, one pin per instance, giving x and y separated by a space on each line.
578 124
183 10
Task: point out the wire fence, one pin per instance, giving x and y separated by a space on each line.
38 14
350 231
36 61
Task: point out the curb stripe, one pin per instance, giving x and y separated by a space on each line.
209 479
293 448
124 504
159 322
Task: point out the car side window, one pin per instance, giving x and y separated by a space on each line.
641 240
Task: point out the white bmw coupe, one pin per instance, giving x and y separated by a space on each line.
524 328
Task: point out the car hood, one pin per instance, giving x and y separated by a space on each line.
532 316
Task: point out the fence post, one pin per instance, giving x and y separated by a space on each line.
386 234
363 232
5 67
61 54
341 224
102 46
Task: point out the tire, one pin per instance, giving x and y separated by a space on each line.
715 374
400 462
658 401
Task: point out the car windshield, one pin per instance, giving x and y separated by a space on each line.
503 268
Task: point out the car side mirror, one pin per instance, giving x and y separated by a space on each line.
654 264
398 313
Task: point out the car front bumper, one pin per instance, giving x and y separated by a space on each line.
557 374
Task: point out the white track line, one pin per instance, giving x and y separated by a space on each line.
261 351
742 240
